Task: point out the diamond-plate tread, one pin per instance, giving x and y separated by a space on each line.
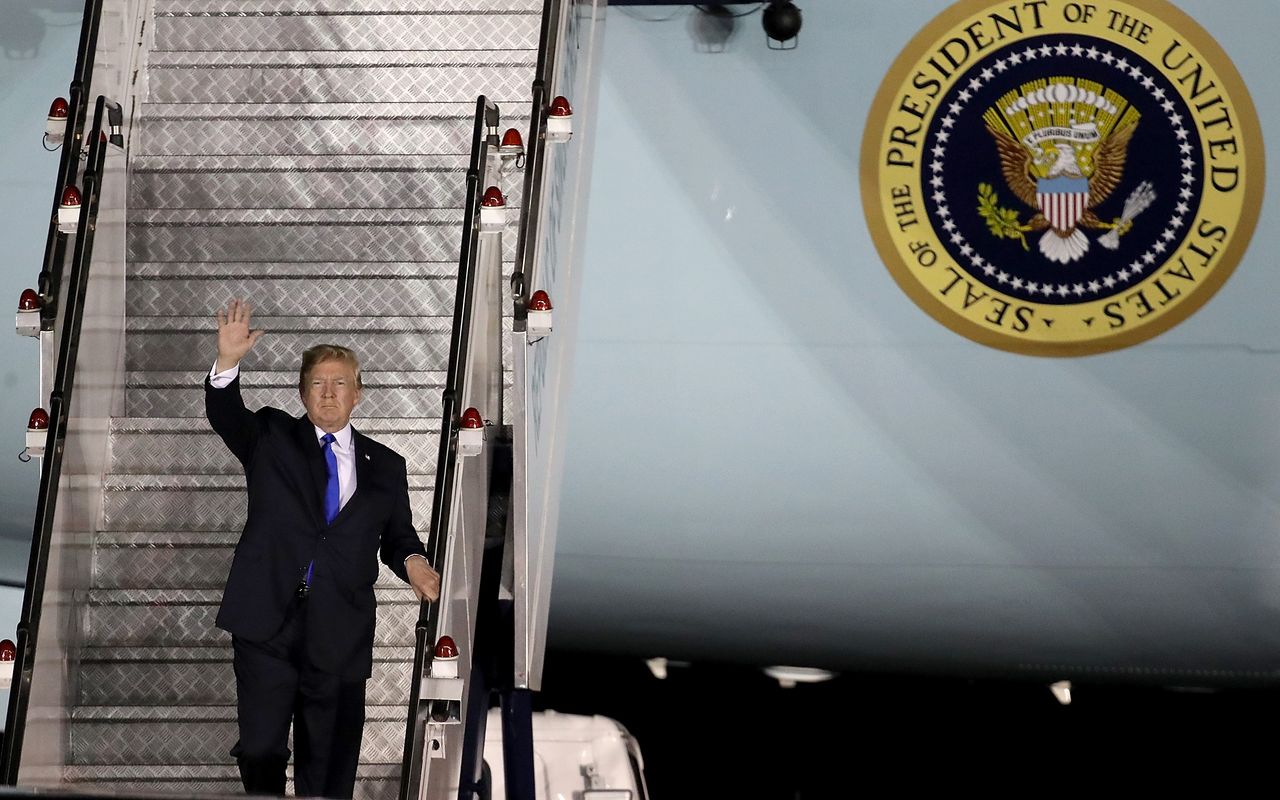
175 560
205 502
416 344
375 293
369 162
310 182
181 394
202 676
373 781
243 270
407 129
233 7
334 185
407 109
385 344
185 617
198 735
187 446
364 30
477 60
312 217
395 239
355 82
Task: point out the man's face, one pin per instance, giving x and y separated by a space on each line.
330 394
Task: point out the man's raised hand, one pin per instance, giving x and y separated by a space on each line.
234 337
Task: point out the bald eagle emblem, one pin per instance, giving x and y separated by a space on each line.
1062 144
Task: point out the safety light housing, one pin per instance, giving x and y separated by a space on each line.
559 120
37 431
493 210
471 433
69 210
55 126
538 319
27 321
512 150
445 663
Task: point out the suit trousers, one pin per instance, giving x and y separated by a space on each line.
276 684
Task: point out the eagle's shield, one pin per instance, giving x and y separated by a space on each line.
1063 201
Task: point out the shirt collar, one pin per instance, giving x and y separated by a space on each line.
341 439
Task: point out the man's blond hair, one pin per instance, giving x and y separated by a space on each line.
326 352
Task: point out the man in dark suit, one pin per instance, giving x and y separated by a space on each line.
324 502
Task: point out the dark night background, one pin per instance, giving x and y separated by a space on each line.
730 731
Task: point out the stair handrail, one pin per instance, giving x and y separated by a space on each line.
487 114
49 284
55 442
523 277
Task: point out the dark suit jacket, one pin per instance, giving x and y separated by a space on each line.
284 468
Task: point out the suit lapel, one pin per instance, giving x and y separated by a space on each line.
317 473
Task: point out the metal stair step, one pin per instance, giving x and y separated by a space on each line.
370 290
415 344
474 59
383 344
373 781
382 26
175 560
295 6
193 735
376 293
310 129
181 394
206 502
388 77
300 235
185 617
306 182
188 446
202 676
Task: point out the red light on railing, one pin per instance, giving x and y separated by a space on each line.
471 419
60 108
8 650
512 138
29 301
493 198
39 420
560 107
445 648
70 196
539 301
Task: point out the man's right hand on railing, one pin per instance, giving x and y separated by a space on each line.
234 336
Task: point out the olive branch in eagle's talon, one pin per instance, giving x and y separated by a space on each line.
1003 222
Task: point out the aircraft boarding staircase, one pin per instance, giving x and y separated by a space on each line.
325 160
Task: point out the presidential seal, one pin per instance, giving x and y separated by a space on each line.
1062 178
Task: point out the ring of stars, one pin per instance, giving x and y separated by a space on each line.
1164 243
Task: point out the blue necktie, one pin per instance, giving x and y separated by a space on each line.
332 494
